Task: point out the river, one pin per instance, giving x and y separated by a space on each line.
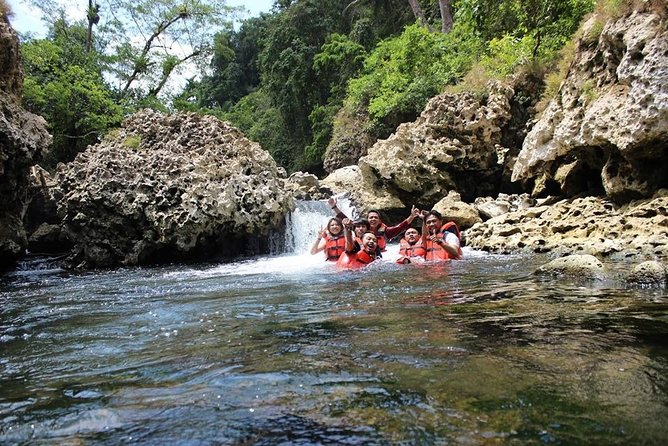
285 350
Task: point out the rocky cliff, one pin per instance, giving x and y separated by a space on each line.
461 142
598 152
607 129
168 188
23 141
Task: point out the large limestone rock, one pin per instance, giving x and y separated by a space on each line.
23 141
461 142
608 126
455 144
588 225
171 188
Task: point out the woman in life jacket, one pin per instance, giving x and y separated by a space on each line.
442 241
351 259
330 240
411 247
382 232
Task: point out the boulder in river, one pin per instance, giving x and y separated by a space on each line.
171 188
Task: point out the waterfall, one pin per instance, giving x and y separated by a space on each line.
303 224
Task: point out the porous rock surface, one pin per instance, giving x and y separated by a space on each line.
607 128
586 225
576 265
175 187
23 141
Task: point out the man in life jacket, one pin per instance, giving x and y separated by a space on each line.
411 247
383 232
442 240
361 226
330 240
351 259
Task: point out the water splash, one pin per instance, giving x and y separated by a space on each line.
303 224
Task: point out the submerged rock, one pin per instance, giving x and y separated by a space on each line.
165 188
584 266
649 273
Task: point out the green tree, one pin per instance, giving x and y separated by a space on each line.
64 84
550 23
402 73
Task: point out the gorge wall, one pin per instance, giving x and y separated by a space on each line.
23 141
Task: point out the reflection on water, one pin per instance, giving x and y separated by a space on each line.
286 350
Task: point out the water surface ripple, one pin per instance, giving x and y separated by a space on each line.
285 350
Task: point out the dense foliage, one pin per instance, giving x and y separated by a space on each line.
64 84
308 75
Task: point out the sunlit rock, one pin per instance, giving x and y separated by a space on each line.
588 225
582 265
453 208
164 188
607 129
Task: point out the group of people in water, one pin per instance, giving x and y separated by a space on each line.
355 244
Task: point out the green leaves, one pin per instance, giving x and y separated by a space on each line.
67 89
403 72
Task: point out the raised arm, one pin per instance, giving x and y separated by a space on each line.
348 234
425 231
393 231
331 201
320 242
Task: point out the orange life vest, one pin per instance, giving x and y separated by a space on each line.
334 247
408 250
353 260
436 251
380 236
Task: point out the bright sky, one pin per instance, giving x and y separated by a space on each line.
27 18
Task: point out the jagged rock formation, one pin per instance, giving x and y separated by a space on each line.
607 130
587 225
23 141
462 142
167 188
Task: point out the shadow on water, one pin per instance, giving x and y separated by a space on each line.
285 350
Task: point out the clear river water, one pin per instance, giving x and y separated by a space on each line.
285 350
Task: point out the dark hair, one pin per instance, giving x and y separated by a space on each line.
435 213
374 210
362 221
338 220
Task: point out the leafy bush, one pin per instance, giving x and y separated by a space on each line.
402 73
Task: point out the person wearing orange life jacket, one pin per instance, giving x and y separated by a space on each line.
330 240
360 226
442 240
411 247
381 230
351 259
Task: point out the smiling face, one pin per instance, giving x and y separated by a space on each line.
334 227
433 224
411 235
360 229
374 219
369 242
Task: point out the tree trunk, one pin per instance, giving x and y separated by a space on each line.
93 18
419 15
446 16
